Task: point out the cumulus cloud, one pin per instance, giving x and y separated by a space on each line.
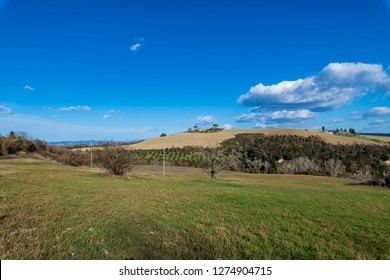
205 120
5 110
27 87
277 116
76 108
378 111
107 117
337 84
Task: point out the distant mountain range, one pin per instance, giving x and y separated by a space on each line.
88 142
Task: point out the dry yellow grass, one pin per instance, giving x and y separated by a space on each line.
378 138
213 139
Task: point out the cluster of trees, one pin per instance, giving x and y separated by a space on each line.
257 153
214 128
19 143
340 131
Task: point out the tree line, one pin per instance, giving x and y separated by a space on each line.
251 153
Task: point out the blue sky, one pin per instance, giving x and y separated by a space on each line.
122 70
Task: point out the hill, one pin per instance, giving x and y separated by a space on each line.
213 139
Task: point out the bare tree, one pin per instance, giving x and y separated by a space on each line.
334 167
216 159
116 159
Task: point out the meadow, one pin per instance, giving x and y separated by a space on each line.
54 211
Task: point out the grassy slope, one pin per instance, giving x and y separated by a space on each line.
212 139
52 211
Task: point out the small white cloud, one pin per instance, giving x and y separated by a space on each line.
379 123
71 108
260 125
107 117
27 87
227 126
378 111
252 117
5 110
138 43
86 108
135 47
76 108
337 121
205 120
113 111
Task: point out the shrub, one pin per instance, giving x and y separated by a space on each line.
301 165
116 159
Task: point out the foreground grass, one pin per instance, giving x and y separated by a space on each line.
52 211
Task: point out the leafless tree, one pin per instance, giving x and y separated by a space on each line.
334 167
216 159
116 159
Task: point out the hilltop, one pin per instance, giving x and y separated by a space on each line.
212 139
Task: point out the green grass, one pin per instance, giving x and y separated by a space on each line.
53 211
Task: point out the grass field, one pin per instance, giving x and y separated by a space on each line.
53 211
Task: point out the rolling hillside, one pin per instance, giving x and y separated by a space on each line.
213 139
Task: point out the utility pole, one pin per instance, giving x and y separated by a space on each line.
90 144
163 159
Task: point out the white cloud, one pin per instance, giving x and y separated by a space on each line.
137 44
376 122
205 120
5 110
337 121
252 117
27 87
291 115
337 84
277 116
76 108
86 108
227 126
260 125
113 111
135 47
107 117
378 111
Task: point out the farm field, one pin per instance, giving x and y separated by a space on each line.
212 139
384 139
54 211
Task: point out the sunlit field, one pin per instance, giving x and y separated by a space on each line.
54 211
